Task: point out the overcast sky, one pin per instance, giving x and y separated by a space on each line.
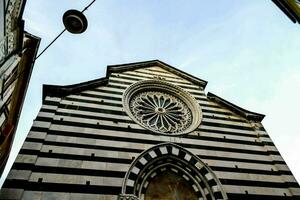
248 51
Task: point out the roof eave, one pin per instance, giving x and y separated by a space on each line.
150 63
249 115
61 91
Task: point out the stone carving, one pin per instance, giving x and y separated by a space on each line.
162 107
127 197
161 112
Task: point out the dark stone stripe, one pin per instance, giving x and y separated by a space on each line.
90 109
75 157
100 96
47 110
128 161
61 187
100 102
140 74
226 119
106 91
115 112
216 124
65 123
250 171
186 85
84 146
206 138
124 87
50 103
132 150
230 133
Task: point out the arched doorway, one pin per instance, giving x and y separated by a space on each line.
158 171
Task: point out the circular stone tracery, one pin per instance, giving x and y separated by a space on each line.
161 112
162 107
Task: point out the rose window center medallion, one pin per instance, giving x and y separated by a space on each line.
162 107
161 112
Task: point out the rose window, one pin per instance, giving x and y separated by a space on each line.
162 107
161 112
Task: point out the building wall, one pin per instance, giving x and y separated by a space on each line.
81 146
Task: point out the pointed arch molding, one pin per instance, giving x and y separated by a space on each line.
173 158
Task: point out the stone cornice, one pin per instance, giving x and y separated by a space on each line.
251 116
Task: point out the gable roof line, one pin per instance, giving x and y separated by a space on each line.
150 63
60 91
252 116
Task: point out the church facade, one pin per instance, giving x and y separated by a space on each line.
146 131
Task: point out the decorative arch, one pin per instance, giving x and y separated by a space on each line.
172 158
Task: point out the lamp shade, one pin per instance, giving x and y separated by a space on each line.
74 21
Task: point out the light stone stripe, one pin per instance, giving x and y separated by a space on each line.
153 137
46 114
95 114
41 124
32 145
227 122
107 107
133 75
203 103
56 99
149 76
165 74
92 105
253 177
197 90
102 94
19 174
134 81
134 135
228 129
98 99
88 152
124 167
36 134
127 155
23 158
270 148
121 116
140 146
97 122
237 189
50 107
82 164
125 124
109 89
227 136
157 68
240 165
76 179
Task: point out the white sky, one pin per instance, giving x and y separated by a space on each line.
248 51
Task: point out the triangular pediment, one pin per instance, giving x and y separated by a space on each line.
155 65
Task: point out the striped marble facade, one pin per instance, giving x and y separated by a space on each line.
83 145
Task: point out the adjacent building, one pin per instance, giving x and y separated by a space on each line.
146 131
17 54
291 8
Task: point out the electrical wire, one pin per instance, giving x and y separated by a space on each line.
60 33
